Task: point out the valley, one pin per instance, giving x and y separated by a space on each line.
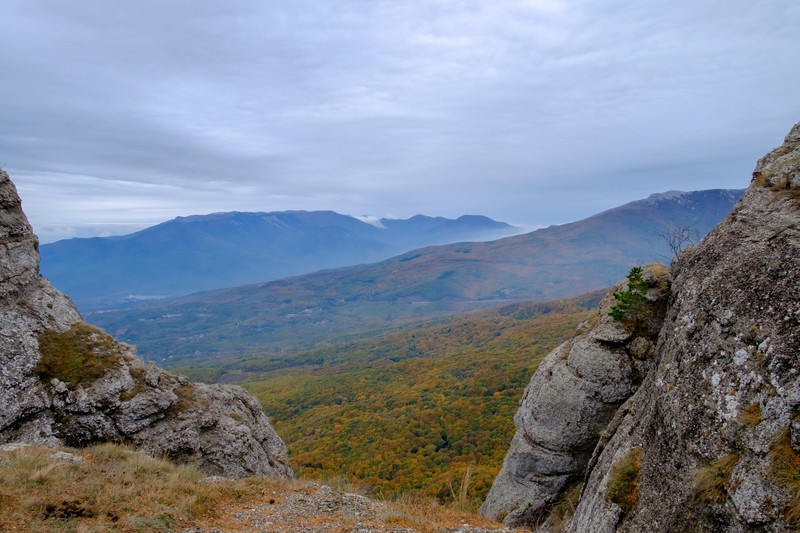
300 313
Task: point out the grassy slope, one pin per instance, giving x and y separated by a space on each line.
413 410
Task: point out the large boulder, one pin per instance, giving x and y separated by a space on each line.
65 382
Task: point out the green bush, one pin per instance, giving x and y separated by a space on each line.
631 306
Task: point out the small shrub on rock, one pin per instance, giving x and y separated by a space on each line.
711 482
786 472
632 307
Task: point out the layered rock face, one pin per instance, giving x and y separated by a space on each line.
571 399
710 441
64 382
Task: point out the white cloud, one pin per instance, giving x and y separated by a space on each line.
534 111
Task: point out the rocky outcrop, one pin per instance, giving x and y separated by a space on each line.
710 441
64 382
716 422
569 402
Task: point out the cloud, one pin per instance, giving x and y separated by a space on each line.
535 112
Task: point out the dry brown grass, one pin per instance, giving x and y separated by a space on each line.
113 489
119 489
786 472
711 481
563 510
623 483
751 415
427 516
343 484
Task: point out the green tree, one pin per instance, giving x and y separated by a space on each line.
631 306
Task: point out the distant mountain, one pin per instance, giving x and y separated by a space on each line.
191 254
288 315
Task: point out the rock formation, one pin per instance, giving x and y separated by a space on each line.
710 441
64 382
570 400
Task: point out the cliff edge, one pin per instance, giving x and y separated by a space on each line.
63 382
710 440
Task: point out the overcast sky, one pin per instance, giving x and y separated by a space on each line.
116 114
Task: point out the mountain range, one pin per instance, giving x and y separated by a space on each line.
297 313
202 252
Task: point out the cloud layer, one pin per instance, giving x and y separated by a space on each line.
529 111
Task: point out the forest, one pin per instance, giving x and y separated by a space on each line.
417 411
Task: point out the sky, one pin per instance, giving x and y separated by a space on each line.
117 115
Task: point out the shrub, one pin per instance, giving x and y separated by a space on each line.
623 483
78 356
632 303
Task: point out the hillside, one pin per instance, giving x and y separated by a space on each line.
294 314
444 393
196 253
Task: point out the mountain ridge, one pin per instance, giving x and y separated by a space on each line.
550 263
225 249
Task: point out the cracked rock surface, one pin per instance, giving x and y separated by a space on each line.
571 398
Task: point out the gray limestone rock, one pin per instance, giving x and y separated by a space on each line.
219 429
716 420
715 423
569 402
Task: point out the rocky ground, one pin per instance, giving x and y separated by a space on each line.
310 507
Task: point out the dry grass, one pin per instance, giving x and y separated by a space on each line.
711 482
113 489
623 483
786 472
461 499
78 356
118 489
751 415
563 510
427 516
660 271
343 484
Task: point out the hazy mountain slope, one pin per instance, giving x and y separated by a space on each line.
296 313
190 254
